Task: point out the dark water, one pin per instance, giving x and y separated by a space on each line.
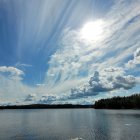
70 124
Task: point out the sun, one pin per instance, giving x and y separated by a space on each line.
92 30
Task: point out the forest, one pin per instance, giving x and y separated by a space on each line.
130 102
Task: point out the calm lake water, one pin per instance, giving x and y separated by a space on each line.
69 124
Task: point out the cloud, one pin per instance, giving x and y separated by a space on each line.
135 61
30 97
22 65
40 85
64 99
79 68
48 99
12 88
77 58
111 79
12 70
107 80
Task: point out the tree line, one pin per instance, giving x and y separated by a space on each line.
130 102
45 106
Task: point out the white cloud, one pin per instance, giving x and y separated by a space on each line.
107 80
30 97
77 58
40 85
48 99
11 85
18 64
12 70
135 61
111 79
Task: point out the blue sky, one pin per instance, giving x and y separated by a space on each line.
52 51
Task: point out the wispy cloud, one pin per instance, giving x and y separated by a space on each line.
75 69
76 58
135 61
21 65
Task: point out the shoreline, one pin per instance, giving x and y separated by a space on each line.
45 106
65 106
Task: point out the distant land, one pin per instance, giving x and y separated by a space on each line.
129 102
45 106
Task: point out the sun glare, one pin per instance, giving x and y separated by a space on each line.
92 30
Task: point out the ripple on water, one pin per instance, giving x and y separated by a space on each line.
77 139
128 124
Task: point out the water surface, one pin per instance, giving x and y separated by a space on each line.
69 124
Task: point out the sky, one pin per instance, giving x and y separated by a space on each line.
68 51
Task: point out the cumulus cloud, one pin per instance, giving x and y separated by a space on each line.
65 99
107 80
135 61
111 79
48 99
30 97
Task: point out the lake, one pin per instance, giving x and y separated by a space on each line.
69 124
